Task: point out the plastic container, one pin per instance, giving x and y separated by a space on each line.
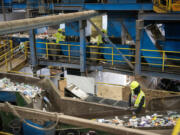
6 96
41 46
27 130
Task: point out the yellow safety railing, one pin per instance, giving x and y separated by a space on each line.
10 58
5 45
164 6
154 58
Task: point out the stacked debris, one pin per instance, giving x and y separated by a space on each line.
29 91
145 121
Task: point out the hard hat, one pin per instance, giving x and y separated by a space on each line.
60 30
104 31
134 85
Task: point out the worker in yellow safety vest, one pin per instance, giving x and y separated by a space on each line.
136 98
59 36
100 38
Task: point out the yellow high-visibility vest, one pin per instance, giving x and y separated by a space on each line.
59 37
138 99
99 41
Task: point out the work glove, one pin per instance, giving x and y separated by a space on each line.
134 113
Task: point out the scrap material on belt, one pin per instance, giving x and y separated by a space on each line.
146 121
29 91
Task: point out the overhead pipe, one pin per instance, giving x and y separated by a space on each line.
34 23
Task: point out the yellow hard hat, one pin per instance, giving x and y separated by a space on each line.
60 30
104 31
133 85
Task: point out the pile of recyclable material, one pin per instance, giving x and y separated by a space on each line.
145 121
29 91
116 121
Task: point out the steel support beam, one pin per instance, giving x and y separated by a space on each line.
124 32
120 6
3 10
75 66
93 68
113 45
68 7
139 27
33 23
50 63
82 25
32 41
162 75
159 17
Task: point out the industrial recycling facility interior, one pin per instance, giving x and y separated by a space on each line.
89 67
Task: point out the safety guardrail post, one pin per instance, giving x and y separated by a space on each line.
112 56
11 47
11 53
169 5
25 50
6 61
69 52
139 32
163 61
47 51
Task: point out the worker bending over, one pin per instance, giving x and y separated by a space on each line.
59 36
98 40
136 98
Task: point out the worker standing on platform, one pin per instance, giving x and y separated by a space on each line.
59 36
136 98
100 38
55 49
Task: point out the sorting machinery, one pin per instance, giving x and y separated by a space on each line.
142 36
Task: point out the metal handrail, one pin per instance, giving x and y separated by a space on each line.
163 58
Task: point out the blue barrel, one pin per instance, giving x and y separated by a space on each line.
27 130
74 48
41 46
116 58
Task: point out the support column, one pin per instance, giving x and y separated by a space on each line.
82 25
139 28
3 10
32 40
